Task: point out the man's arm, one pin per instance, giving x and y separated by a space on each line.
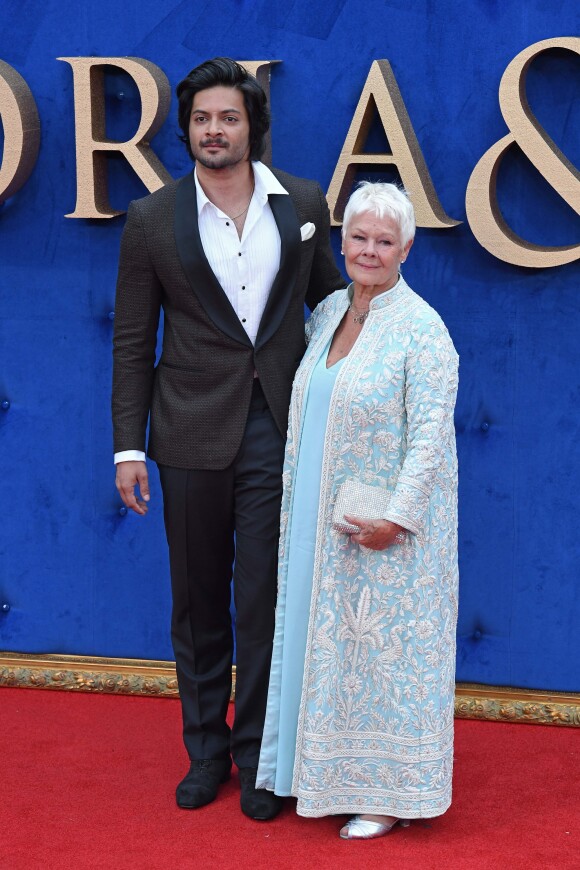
137 308
325 278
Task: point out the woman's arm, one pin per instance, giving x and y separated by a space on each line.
430 393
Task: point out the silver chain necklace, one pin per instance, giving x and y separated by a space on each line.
236 216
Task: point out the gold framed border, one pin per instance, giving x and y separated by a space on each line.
158 679
91 674
506 704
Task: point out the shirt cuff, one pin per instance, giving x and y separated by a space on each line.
129 456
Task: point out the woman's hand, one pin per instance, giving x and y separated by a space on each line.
376 534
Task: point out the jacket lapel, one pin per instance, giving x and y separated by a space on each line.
201 278
285 281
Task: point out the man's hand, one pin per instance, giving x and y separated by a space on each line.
129 475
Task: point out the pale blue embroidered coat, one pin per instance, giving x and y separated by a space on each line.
375 729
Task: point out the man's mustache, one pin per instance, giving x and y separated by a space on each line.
218 141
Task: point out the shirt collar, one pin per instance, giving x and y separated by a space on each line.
202 199
264 180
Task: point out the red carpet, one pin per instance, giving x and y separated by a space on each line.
88 782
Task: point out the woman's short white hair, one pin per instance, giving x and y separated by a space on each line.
380 199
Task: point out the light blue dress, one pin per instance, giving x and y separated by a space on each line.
300 566
360 703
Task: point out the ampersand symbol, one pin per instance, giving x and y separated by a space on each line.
483 214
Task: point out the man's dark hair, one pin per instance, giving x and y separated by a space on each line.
225 72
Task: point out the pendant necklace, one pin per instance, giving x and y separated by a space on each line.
358 316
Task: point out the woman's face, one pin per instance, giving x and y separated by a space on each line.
373 251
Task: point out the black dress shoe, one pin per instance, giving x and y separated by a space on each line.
257 803
200 786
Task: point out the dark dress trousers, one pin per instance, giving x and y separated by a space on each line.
217 434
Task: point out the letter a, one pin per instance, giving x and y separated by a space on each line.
381 90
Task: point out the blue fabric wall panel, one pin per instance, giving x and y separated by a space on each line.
547 435
484 654
485 448
78 576
51 557
133 578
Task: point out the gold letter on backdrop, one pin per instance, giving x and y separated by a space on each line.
483 214
91 141
19 118
381 91
260 69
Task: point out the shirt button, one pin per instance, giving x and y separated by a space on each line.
227 223
240 254
243 286
243 319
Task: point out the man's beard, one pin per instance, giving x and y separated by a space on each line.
222 160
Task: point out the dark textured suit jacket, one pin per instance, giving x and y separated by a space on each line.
198 395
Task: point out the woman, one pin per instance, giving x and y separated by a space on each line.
360 704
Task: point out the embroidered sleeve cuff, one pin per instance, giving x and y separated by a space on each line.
405 522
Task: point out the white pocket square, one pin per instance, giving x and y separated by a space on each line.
307 231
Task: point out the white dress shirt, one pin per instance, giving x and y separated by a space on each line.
246 267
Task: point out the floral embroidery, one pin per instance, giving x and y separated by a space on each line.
375 732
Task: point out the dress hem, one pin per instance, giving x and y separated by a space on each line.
360 810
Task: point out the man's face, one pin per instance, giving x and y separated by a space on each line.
219 128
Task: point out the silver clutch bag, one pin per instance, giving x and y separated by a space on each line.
359 500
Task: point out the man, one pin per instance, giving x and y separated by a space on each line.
230 253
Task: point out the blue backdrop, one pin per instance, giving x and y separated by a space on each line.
76 577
